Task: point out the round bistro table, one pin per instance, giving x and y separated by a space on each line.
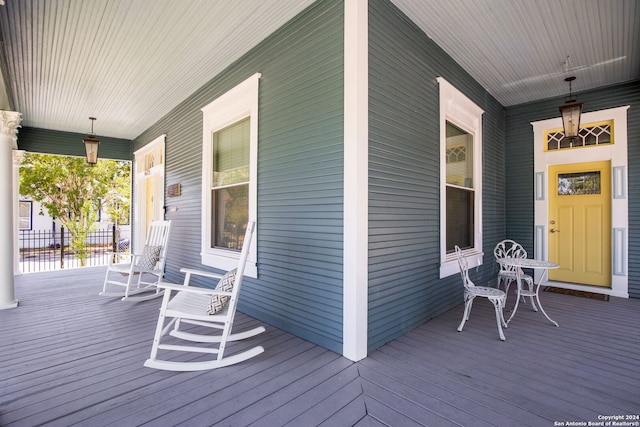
534 264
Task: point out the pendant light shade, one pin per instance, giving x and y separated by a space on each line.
91 145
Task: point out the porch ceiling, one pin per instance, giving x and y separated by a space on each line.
129 63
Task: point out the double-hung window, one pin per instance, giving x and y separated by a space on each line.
230 185
461 178
229 172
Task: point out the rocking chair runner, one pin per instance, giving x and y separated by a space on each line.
150 261
192 306
471 291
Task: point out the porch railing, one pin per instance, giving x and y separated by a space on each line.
45 250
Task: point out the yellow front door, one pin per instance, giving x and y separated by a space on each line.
580 223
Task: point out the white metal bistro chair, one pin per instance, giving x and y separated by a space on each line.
203 307
471 291
508 274
129 278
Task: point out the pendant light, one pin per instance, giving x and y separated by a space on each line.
571 112
91 145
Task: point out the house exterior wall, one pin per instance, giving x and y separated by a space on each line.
519 164
46 223
300 173
300 206
300 183
38 222
47 141
404 175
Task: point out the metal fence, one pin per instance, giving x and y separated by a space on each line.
44 250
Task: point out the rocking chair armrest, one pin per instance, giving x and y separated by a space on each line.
132 257
137 255
111 255
192 289
202 273
120 253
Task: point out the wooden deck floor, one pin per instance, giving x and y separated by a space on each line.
70 357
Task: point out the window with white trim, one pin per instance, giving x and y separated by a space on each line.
229 175
460 178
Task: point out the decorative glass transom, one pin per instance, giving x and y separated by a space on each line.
590 135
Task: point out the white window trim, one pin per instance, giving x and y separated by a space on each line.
617 154
234 105
157 172
459 110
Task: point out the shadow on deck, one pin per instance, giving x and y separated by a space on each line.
70 357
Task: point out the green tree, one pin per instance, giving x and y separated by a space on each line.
73 191
117 202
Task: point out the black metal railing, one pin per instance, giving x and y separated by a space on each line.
44 250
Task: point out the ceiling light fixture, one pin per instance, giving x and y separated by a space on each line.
91 145
571 112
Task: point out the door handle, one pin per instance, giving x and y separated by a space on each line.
553 230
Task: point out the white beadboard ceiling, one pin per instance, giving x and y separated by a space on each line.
518 49
129 62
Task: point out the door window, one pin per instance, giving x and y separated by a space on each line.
576 184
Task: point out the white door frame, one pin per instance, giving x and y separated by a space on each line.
141 172
617 154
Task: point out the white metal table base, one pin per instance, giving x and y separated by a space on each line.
531 297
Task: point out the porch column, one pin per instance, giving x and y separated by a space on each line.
356 180
9 123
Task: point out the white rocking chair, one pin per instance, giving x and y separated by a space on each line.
471 291
191 305
150 261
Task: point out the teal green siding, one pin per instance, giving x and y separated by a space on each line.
300 175
47 141
519 161
404 175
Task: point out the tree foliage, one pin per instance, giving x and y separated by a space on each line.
73 192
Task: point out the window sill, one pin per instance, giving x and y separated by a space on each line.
450 265
226 261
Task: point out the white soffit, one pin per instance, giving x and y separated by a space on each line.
127 63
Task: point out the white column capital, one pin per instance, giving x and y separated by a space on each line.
9 124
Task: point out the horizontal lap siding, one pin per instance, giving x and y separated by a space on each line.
519 174
519 157
404 174
630 95
47 141
300 158
300 182
494 213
